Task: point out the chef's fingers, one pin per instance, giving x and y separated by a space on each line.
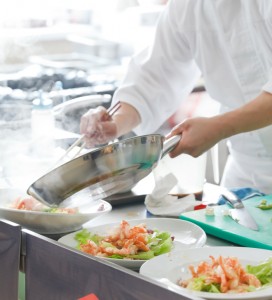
105 132
90 120
198 135
177 130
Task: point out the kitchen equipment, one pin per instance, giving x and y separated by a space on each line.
221 225
107 170
239 213
17 115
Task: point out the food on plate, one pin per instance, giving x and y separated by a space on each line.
126 242
31 204
227 275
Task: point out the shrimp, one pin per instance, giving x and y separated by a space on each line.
230 278
141 242
28 203
90 248
137 230
31 204
124 240
227 272
251 279
119 233
128 249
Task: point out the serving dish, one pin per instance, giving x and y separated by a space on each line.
186 235
175 267
47 222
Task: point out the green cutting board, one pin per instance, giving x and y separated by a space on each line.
226 228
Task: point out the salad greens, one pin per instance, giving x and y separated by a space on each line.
263 272
199 284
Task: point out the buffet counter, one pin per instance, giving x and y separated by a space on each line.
55 271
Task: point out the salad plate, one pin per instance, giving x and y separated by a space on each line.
175 268
49 222
186 235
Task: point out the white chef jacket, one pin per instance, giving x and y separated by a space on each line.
229 44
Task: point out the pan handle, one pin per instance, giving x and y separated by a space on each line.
170 144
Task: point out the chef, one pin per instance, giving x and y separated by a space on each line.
229 44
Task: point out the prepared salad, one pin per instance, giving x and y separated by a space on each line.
227 275
126 242
31 204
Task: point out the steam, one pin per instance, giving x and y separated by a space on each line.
24 160
20 163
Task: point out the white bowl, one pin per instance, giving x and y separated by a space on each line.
45 222
186 234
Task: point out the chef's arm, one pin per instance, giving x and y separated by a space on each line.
199 134
251 116
126 119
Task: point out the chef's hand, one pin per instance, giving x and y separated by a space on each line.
197 136
98 127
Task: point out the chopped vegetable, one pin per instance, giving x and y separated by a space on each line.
264 205
209 211
126 242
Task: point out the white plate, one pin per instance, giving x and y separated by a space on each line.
45 222
175 267
186 234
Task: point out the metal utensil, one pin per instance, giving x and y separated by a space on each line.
239 213
106 170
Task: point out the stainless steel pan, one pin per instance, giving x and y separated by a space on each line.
106 171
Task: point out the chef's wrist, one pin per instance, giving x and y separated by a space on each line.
126 119
225 125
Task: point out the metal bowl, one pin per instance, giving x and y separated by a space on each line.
105 171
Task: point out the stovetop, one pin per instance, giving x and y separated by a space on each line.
60 84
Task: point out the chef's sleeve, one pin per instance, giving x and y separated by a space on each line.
162 75
268 87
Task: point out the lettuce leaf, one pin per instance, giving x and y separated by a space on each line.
164 246
83 236
142 255
198 284
263 271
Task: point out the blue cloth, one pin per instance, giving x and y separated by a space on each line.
242 193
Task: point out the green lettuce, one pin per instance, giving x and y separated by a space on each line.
262 271
198 284
83 236
164 243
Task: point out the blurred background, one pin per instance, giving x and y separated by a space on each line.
65 50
